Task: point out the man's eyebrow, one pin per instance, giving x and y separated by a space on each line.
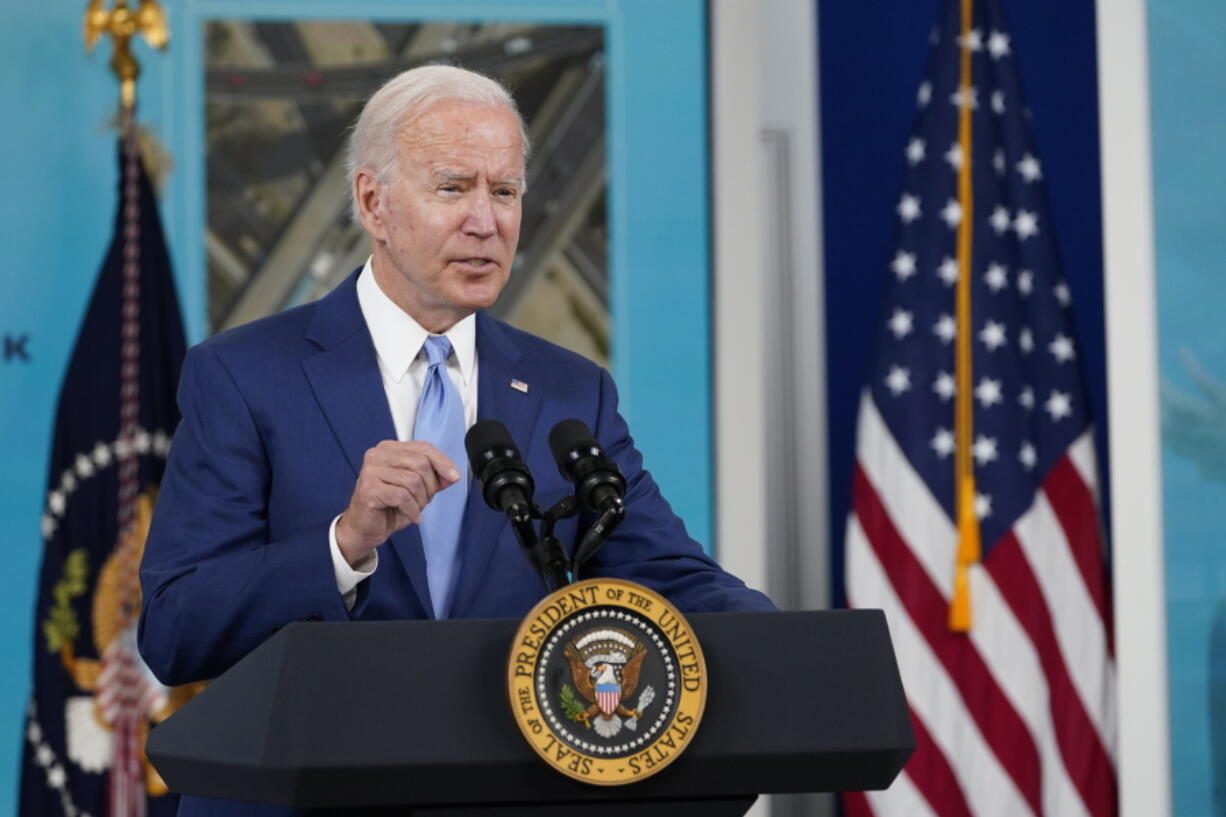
459 176
452 175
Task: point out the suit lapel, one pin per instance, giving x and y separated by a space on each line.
345 379
499 362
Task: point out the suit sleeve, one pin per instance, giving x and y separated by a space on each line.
214 587
651 545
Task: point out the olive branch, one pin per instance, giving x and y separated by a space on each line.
571 707
62 627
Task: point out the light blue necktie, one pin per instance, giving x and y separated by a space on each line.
440 421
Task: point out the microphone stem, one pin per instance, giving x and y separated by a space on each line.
598 533
556 573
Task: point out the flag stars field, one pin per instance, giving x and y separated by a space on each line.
1026 224
943 442
1061 349
967 99
998 162
1027 456
1029 169
984 449
954 156
900 323
903 265
993 335
944 385
951 214
1025 282
988 392
908 208
997 277
998 45
1000 220
1025 340
946 328
915 151
973 41
898 380
1059 405
948 271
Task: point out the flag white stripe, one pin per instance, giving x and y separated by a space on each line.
1081 453
1078 626
933 696
1014 663
906 497
901 799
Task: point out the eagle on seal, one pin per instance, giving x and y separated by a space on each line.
604 685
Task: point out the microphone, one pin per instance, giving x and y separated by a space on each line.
599 484
506 484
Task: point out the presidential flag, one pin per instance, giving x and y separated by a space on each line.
974 520
93 698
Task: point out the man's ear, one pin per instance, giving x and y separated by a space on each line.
368 195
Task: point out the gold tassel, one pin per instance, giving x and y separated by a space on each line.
968 554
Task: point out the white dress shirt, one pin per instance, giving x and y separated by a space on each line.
398 341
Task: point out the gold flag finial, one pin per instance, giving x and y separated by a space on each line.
123 23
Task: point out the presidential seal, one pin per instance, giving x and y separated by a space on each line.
606 681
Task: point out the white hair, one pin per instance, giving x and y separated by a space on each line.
372 142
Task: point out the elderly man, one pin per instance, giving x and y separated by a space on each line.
319 473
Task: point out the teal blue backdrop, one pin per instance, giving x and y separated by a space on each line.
1187 93
58 192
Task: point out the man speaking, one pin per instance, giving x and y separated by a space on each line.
319 470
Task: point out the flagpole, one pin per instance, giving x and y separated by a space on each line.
968 523
128 781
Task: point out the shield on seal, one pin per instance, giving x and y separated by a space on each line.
608 696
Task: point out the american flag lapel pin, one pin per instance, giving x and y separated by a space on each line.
519 385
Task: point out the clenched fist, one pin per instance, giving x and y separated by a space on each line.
396 481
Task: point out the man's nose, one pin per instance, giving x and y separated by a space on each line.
480 221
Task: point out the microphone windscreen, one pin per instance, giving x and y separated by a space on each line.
485 435
567 437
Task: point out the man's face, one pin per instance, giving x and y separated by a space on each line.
444 230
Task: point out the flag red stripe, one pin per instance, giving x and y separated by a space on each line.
855 804
999 723
1074 506
932 775
1087 762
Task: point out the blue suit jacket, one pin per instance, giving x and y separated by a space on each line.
277 416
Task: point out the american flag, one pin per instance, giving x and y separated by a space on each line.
991 572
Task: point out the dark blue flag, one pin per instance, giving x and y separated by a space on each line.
94 700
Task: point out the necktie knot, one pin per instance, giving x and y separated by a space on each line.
437 347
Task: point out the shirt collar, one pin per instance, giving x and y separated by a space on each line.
398 338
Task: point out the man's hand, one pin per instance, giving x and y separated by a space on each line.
396 482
